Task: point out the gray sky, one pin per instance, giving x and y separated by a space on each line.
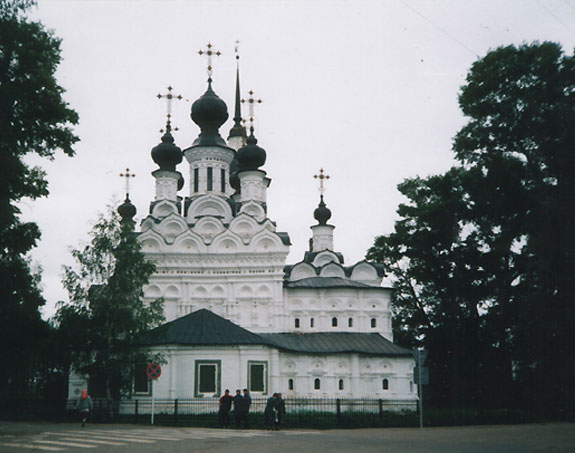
365 89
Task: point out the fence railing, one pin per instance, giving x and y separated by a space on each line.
300 412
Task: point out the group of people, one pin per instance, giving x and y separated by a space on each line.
273 414
241 404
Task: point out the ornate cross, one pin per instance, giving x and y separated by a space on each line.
321 178
127 175
208 53
169 96
237 49
251 101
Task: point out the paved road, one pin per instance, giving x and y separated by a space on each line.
23 437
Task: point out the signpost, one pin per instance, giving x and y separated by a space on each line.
421 378
154 371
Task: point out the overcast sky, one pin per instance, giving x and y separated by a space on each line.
365 89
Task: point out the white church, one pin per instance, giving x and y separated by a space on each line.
237 315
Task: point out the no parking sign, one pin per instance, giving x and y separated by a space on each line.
154 371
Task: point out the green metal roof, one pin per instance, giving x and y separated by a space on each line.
335 343
328 282
205 328
201 328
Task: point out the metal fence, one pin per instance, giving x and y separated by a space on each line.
300 412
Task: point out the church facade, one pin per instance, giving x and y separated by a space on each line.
237 315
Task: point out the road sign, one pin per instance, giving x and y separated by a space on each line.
153 371
424 375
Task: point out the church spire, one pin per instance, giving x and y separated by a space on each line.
322 238
238 130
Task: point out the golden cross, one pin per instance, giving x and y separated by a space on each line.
127 175
321 178
251 104
209 52
169 96
237 49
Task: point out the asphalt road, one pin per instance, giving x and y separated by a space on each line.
25 437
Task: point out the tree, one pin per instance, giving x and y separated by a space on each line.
106 317
34 119
508 262
520 138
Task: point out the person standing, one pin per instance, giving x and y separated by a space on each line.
280 409
270 412
238 407
225 407
85 406
247 402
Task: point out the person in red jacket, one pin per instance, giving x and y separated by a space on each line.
225 407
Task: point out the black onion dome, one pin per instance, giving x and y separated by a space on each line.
251 156
209 112
234 179
180 181
127 210
166 154
322 214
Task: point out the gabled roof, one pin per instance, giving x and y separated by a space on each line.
328 282
201 328
204 328
336 343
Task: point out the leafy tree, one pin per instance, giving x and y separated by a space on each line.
485 252
106 316
34 119
520 139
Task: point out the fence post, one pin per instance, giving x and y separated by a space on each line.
338 410
136 412
380 409
176 411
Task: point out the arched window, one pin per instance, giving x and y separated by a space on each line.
334 322
340 385
373 323
297 323
385 384
350 322
316 384
311 322
290 384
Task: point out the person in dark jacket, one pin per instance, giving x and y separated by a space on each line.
247 402
280 410
225 407
238 407
270 412
85 407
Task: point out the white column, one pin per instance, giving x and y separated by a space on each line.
172 365
274 372
355 379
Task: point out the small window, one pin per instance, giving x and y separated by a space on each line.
350 322
196 179
141 381
334 322
296 323
257 376
373 323
290 384
207 377
385 384
223 180
317 384
311 322
340 385
210 179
